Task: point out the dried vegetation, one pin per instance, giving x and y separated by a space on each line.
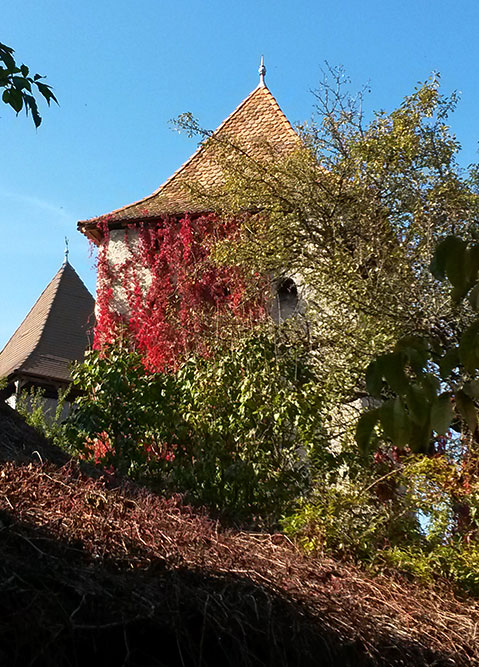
95 570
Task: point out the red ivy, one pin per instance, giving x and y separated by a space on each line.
186 304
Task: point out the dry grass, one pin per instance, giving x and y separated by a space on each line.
122 576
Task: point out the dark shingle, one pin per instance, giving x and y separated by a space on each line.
55 332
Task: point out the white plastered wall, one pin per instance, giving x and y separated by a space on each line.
123 247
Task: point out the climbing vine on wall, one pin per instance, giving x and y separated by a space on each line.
164 295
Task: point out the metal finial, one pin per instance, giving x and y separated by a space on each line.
66 250
262 72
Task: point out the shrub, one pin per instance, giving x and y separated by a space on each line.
50 422
419 517
235 431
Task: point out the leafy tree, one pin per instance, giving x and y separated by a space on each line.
353 215
49 421
413 513
19 86
427 384
414 505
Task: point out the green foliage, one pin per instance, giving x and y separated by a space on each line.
18 86
34 408
235 431
458 562
340 522
397 515
435 381
253 416
355 212
121 408
358 514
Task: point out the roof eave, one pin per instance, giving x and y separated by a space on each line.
40 377
93 232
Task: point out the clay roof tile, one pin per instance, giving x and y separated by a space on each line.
256 119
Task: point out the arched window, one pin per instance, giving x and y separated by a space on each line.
285 300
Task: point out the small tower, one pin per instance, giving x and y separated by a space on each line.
56 332
258 129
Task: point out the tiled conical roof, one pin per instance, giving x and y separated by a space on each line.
54 333
258 118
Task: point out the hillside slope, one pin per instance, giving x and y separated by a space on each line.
122 576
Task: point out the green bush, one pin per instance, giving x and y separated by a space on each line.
457 562
33 407
417 514
235 432
348 520
123 414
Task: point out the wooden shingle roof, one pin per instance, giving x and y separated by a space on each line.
55 332
257 119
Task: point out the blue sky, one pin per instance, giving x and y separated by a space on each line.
121 70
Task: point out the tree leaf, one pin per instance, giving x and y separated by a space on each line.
472 264
15 99
374 378
459 292
21 83
31 104
416 350
471 388
469 348
442 414
418 404
395 421
467 409
448 362
46 91
420 440
393 371
473 297
364 429
450 246
456 264
432 386
6 54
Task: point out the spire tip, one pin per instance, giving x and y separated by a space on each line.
262 72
